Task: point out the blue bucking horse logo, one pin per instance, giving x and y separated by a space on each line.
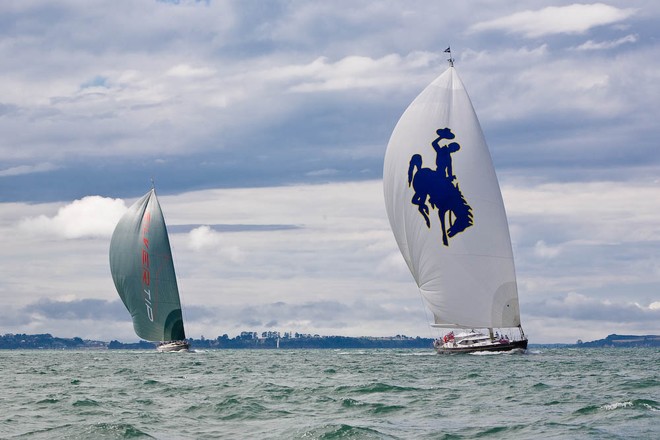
441 188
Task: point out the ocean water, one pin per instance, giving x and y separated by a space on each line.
330 394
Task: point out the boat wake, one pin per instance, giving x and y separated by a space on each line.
424 353
514 352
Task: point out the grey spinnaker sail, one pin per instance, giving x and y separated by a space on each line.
143 271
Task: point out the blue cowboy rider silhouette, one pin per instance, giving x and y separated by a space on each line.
438 185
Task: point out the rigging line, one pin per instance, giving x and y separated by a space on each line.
179 288
177 276
426 316
174 264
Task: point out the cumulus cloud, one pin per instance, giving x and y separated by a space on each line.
91 216
204 239
550 98
338 270
572 19
354 72
161 107
186 71
597 212
323 172
593 45
541 249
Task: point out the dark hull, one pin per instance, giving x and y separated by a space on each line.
512 345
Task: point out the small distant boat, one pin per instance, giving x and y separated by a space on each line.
143 273
462 261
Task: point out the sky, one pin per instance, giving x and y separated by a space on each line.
264 126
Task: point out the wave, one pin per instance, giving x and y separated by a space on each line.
418 353
83 432
377 387
588 393
344 431
375 408
85 402
637 403
117 430
634 384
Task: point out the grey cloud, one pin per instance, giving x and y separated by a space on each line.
242 125
181 229
332 314
589 309
7 109
28 169
12 318
95 309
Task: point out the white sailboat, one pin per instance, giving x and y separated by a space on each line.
143 273
446 212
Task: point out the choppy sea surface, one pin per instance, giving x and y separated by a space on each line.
330 394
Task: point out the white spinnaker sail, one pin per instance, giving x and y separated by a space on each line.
470 281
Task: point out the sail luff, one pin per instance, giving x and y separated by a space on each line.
143 271
438 170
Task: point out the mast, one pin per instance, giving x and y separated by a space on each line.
450 59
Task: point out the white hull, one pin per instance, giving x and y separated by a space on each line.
173 346
474 342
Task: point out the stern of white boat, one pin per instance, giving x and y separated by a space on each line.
173 346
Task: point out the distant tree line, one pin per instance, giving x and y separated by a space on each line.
245 340
309 341
45 341
622 341
272 340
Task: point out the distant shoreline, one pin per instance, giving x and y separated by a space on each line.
248 340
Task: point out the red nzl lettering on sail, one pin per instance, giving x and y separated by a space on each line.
146 274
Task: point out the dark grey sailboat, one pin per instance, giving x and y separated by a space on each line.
143 273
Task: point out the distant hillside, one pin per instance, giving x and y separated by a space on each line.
623 341
247 340
250 340
47 341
